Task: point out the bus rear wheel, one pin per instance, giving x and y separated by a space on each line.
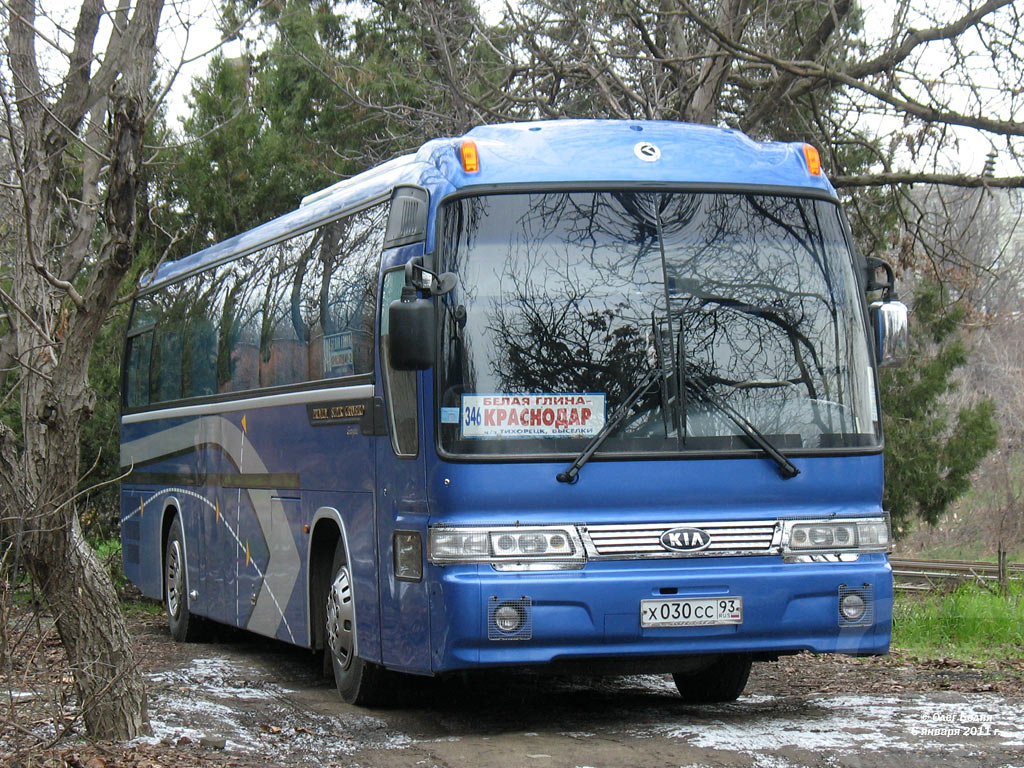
185 626
359 682
723 680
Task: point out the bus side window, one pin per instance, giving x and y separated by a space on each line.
351 257
399 386
136 380
283 341
166 371
165 374
238 308
200 360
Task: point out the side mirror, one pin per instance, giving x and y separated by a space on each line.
886 287
891 323
411 319
890 318
411 326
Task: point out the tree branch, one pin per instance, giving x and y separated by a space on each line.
944 179
56 282
889 59
811 48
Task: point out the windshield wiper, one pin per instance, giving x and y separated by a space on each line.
618 415
786 467
673 410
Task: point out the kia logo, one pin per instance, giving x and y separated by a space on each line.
647 152
685 539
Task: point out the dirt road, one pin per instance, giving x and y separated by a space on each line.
266 703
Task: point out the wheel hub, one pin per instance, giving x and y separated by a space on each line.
175 578
340 618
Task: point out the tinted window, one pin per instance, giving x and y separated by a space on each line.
299 310
136 379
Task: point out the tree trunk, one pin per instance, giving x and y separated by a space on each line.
76 587
111 692
55 312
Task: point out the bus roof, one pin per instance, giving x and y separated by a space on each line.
544 152
622 151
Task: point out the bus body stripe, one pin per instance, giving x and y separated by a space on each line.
283 564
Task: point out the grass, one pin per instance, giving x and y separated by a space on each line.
970 622
141 607
132 602
109 553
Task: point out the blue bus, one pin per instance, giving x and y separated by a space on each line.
596 394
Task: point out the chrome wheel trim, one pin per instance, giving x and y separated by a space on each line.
341 619
175 578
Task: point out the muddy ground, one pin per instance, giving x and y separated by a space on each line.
244 701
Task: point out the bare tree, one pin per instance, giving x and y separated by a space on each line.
75 144
991 231
995 511
885 96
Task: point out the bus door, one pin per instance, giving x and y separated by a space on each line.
401 505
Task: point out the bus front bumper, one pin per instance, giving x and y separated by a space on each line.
595 613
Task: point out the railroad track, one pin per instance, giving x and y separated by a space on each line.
925 574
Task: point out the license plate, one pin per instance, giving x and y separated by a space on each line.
691 611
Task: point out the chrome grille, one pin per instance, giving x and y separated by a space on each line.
632 541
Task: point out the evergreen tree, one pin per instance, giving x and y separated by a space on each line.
931 452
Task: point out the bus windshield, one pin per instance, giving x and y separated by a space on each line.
567 301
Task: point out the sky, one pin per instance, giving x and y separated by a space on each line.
189 37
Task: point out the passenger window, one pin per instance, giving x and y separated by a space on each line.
350 305
166 369
302 309
321 306
283 341
136 380
237 307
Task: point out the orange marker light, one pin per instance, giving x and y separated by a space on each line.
470 157
813 160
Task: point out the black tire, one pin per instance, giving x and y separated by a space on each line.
359 682
724 680
185 626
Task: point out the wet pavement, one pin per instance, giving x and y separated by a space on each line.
267 703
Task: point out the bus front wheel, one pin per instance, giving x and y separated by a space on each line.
185 626
723 680
359 682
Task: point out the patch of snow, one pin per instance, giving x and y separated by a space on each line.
768 761
220 677
188 702
17 696
846 724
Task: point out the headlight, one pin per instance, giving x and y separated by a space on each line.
531 544
505 544
454 545
862 535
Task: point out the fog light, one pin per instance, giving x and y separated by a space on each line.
852 606
508 618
